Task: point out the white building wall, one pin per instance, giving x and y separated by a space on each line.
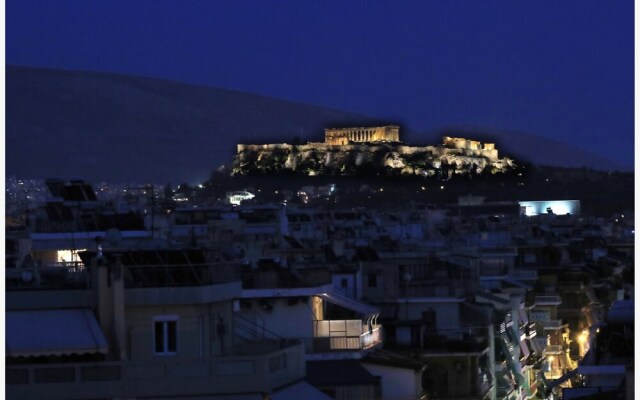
447 314
197 325
397 383
283 319
350 290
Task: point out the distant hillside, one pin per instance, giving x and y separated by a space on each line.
118 128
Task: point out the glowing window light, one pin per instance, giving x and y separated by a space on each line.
68 255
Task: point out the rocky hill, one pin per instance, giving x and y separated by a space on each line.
386 159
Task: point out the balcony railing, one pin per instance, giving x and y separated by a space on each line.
262 371
144 276
552 324
344 335
570 286
548 300
441 290
66 276
552 349
285 279
464 339
523 274
53 276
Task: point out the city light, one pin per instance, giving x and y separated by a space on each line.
558 207
582 338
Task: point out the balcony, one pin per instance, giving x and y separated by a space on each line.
66 286
442 290
548 300
179 275
74 275
552 325
54 276
552 349
570 286
258 368
461 340
525 275
344 335
285 279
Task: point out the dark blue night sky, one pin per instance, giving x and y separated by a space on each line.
561 69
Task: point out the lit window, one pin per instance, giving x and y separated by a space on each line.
165 331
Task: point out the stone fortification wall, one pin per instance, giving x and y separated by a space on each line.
486 150
324 158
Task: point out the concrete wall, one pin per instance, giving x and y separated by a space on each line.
353 288
254 373
198 334
452 376
49 299
276 315
447 314
397 383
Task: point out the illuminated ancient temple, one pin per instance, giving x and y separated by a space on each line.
343 136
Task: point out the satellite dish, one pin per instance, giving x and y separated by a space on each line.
113 238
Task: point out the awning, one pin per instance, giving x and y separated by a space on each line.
348 303
53 332
297 391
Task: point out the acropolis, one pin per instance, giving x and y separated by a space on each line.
348 149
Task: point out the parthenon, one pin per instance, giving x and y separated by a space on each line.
343 136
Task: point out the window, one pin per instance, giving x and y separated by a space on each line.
343 283
373 280
165 331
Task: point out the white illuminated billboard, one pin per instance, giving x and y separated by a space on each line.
557 207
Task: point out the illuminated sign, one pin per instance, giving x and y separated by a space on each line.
557 207
236 198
